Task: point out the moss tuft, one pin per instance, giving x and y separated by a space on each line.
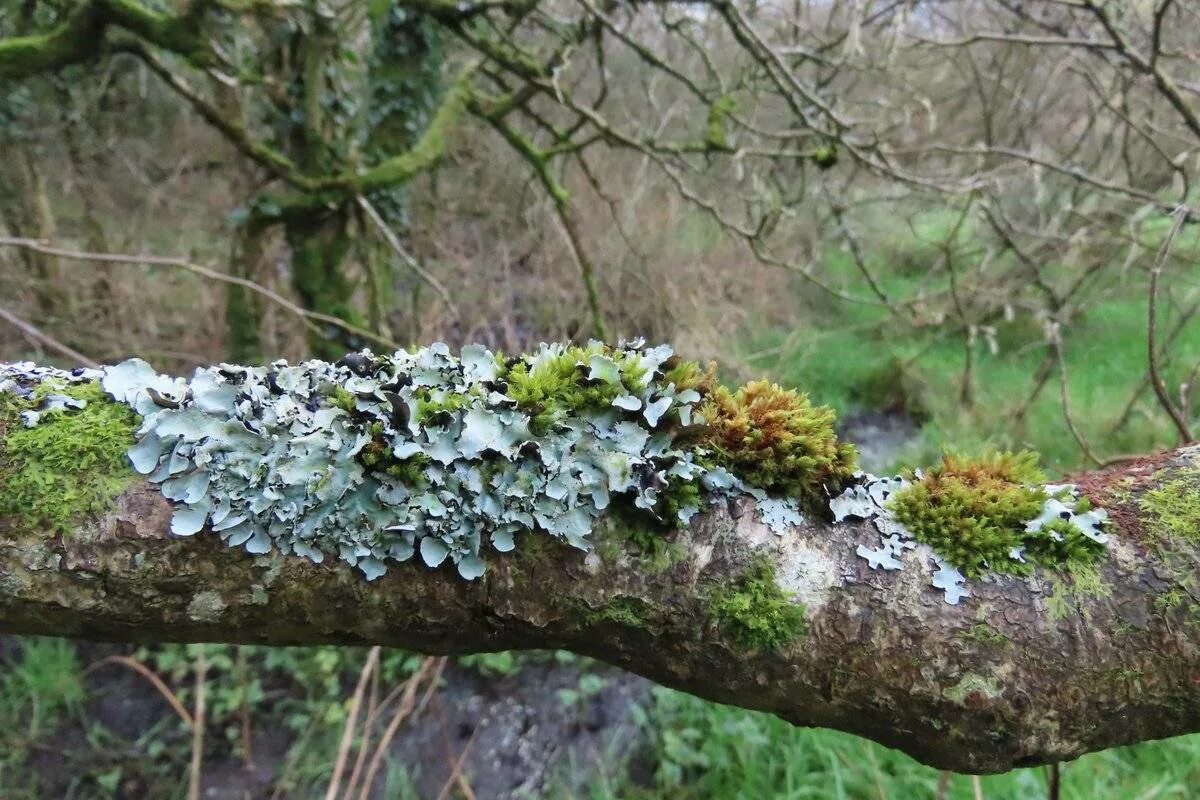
776 439
377 456
755 612
973 512
627 531
557 387
982 633
1172 510
625 612
70 464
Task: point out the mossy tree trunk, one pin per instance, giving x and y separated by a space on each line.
1026 670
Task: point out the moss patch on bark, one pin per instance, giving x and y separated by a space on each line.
72 463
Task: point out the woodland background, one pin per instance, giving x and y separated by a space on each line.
961 224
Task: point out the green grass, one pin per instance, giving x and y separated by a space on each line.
39 687
704 750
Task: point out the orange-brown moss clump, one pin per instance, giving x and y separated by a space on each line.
777 440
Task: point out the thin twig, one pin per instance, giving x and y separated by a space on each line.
431 667
34 333
1053 781
1064 395
339 766
198 729
148 674
456 776
244 708
394 242
309 317
1156 381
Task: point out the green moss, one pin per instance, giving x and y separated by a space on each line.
431 403
557 387
755 612
776 439
626 612
341 398
630 531
984 634
716 136
973 512
376 455
1172 510
71 464
1070 592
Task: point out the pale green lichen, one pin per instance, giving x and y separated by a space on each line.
1071 591
755 612
207 606
378 458
982 633
972 686
70 464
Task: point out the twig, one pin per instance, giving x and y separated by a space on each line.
943 785
1053 781
32 332
198 728
394 242
335 780
1156 381
244 708
309 317
456 776
148 674
1064 394
429 665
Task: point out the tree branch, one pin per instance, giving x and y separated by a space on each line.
1026 670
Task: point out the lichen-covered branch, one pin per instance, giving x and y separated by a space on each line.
1060 649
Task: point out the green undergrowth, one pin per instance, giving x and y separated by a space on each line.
72 463
755 612
705 750
860 357
973 512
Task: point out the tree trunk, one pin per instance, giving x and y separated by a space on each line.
1024 671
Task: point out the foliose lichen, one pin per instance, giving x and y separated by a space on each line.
62 446
376 458
974 516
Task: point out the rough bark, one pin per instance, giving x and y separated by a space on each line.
1025 671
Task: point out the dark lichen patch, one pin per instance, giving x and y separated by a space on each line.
776 439
71 463
976 513
1171 510
755 612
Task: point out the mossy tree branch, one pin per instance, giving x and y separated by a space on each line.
1027 670
81 36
